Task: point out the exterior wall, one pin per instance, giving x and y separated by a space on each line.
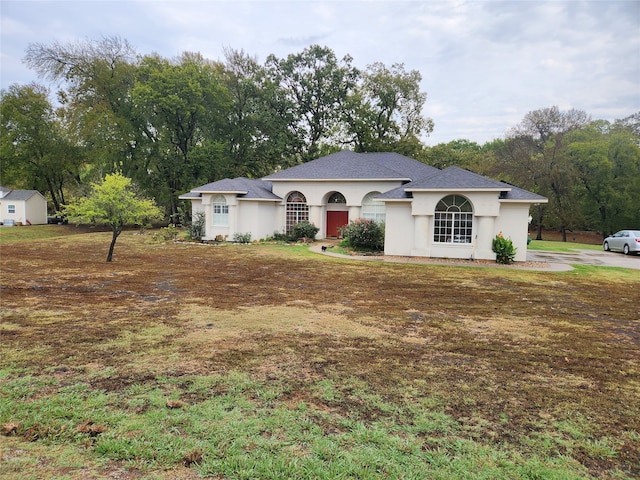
255 217
399 225
34 210
317 194
514 223
409 223
409 227
486 208
245 216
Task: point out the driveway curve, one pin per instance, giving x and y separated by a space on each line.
536 259
586 257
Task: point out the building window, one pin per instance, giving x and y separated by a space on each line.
297 210
220 212
453 220
337 197
11 208
373 209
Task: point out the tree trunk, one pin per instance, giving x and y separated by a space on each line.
114 237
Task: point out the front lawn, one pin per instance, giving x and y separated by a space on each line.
268 361
556 246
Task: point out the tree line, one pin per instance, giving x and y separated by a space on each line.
172 124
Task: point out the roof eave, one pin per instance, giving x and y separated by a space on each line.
398 179
253 199
228 192
532 201
407 199
455 189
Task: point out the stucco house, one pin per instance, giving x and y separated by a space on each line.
450 213
22 206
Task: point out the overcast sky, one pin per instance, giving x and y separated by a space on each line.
484 64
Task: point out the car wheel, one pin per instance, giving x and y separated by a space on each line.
606 246
625 250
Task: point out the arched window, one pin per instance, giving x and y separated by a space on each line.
297 210
373 209
220 211
453 220
337 197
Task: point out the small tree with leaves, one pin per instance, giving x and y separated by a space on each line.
113 202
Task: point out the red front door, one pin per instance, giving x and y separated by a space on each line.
336 220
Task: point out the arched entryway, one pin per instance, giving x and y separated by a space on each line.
337 214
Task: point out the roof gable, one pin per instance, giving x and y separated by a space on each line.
456 178
18 195
347 165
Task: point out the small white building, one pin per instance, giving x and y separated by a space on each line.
450 213
22 207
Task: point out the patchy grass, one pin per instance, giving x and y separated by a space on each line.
33 232
555 246
269 361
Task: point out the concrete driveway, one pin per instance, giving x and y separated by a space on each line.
586 257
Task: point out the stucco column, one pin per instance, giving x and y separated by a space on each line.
208 218
354 212
233 221
315 217
420 236
281 212
484 240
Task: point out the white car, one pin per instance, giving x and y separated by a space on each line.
625 241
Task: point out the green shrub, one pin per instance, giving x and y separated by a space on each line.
504 249
242 237
304 230
279 237
364 234
167 234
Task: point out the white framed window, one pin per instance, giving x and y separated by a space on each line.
220 211
453 220
11 208
373 209
297 210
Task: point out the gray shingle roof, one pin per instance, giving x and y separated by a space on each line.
18 195
455 178
395 194
519 194
189 195
346 165
243 187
